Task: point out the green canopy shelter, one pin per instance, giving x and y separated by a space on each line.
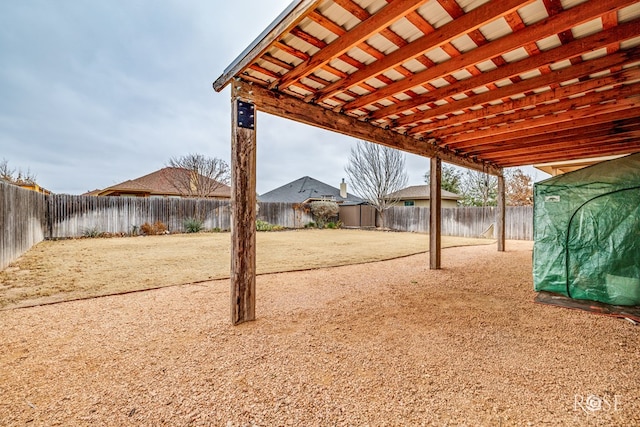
587 233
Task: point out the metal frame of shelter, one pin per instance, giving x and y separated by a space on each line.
483 84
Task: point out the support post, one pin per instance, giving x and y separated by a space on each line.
501 213
435 213
243 211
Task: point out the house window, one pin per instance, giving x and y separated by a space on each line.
409 203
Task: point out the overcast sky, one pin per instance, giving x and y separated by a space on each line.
96 93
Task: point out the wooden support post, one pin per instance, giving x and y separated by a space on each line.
435 213
243 211
501 214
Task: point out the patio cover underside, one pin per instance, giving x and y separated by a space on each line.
481 84
476 83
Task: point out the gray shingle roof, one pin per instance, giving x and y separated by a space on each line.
421 192
305 188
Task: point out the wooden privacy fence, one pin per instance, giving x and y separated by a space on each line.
22 221
463 221
28 217
74 216
289 215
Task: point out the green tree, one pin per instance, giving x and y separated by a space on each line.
452 179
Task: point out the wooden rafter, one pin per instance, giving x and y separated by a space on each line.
567 51
468 22
568 109
575 16
359 34
476 118
546 128
565 74
574 68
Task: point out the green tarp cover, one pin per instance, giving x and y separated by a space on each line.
587 233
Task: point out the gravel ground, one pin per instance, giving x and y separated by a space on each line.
387 343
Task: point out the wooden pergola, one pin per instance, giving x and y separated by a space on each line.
480 84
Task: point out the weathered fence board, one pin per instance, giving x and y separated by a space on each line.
463 221
22 221
74 216
27 217
290 215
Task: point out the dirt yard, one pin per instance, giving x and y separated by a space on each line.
71 269
382 344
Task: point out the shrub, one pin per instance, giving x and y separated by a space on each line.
323 211
310 225
193 225
91 232
158 227
332 224
265 226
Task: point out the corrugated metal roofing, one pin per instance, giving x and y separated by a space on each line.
433 69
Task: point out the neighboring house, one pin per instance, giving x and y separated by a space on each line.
418 195
159 184
34 187
307 189
27 185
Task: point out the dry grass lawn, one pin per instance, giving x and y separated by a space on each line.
65 270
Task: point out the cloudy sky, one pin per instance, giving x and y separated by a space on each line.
95 93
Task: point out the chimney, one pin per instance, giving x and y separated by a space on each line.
343 189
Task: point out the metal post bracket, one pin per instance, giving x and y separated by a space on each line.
246 115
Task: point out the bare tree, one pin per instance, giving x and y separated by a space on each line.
375 172
479 189
6 172
200 176
15 176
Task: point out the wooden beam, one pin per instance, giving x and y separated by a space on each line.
445 34
608 150
383 18
556 145
283 23
577 15
568 136
466 141
243 213
552 111
435 213
629 143
570 50
565 74
281 105
501 214
477 117
565 120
